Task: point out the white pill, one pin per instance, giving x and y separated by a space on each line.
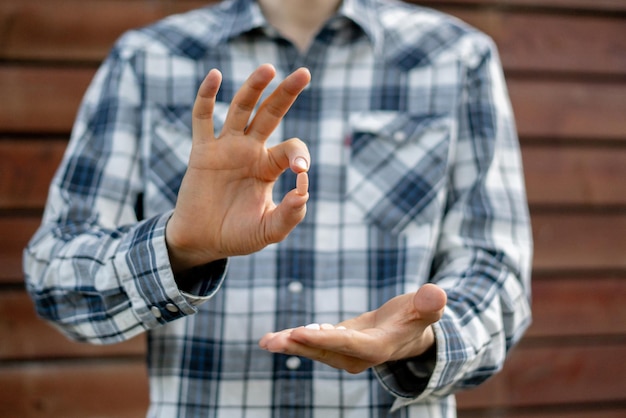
313 326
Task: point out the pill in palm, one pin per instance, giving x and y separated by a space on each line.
316 326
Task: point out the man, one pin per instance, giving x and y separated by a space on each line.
391 129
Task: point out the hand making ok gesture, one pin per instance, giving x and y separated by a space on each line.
225 204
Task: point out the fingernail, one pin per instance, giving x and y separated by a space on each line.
301 163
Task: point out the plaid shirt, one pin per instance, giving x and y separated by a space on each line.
415 178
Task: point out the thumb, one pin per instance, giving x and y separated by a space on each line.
429 302
290 212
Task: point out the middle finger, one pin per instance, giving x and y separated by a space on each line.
274 108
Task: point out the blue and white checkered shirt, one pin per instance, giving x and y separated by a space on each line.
415 178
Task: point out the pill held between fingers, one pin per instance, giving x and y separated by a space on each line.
302 184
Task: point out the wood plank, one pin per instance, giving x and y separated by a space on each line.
527 41
536 376
47 30
569 109
592 5
28 166
579 241
561 411
571 174
544 108
536 42
576 5
578 307
26 336
16 232
74 389
41 99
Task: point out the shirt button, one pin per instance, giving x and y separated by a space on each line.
155 311
399 136
295 287
293 363
171 307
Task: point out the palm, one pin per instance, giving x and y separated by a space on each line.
244 183
397 330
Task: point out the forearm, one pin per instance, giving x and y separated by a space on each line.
483 320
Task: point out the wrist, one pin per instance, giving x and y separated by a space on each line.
183 255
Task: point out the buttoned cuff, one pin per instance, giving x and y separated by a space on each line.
144 270
200 283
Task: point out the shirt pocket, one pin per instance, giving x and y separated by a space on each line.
398 168
166 150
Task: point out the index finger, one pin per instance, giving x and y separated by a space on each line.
274 108
246 99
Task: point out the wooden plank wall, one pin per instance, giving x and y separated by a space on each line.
565 62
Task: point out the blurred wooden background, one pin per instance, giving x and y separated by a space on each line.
565 62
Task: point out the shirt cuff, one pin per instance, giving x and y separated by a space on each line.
408 378
199 284
144 271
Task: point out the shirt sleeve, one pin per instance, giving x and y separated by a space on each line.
94 268
483 256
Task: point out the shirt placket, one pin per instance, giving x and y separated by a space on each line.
295 263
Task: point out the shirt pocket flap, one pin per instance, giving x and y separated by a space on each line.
179 118
167 147
171 128
398 166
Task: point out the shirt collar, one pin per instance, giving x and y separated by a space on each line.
364 14
247 16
